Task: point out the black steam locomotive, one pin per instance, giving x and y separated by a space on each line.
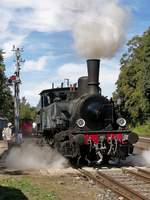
82 124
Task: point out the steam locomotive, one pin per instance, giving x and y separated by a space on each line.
83 125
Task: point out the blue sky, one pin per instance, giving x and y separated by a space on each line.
43 28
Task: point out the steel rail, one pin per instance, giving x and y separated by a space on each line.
137 174
141 148
117 187
143 139
146 172
143 144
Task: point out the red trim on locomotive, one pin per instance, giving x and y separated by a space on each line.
93 137
109 136
119 136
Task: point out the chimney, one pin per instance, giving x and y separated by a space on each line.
93 76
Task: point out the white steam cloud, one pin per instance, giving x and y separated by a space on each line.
99 30
32 156
146 156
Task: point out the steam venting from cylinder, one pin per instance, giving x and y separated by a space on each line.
93 76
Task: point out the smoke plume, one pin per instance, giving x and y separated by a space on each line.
32 156
99 30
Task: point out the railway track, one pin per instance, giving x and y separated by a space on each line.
126 183
139 173
143 171
143 143
144 139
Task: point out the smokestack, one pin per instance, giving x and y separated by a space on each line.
93 76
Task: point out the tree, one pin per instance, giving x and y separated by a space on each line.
6 99
133 84
26 111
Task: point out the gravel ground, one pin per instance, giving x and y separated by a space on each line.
66 183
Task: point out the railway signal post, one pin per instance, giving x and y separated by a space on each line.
17 82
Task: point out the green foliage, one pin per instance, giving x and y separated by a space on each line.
133 85
6 100
143 130
26 111
27 189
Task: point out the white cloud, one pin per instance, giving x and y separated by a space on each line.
32 91
109 72
20 17
47 15
72 71
35 65
5 19
15 3
7 46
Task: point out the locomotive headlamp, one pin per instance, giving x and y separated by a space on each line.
121 122
80 122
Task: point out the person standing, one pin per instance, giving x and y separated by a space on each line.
8 134
34 128
20 137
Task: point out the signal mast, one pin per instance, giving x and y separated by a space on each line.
17 81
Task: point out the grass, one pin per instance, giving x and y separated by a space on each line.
143 130
23 189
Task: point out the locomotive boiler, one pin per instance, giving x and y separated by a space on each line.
82 124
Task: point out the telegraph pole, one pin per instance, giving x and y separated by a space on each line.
17 82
